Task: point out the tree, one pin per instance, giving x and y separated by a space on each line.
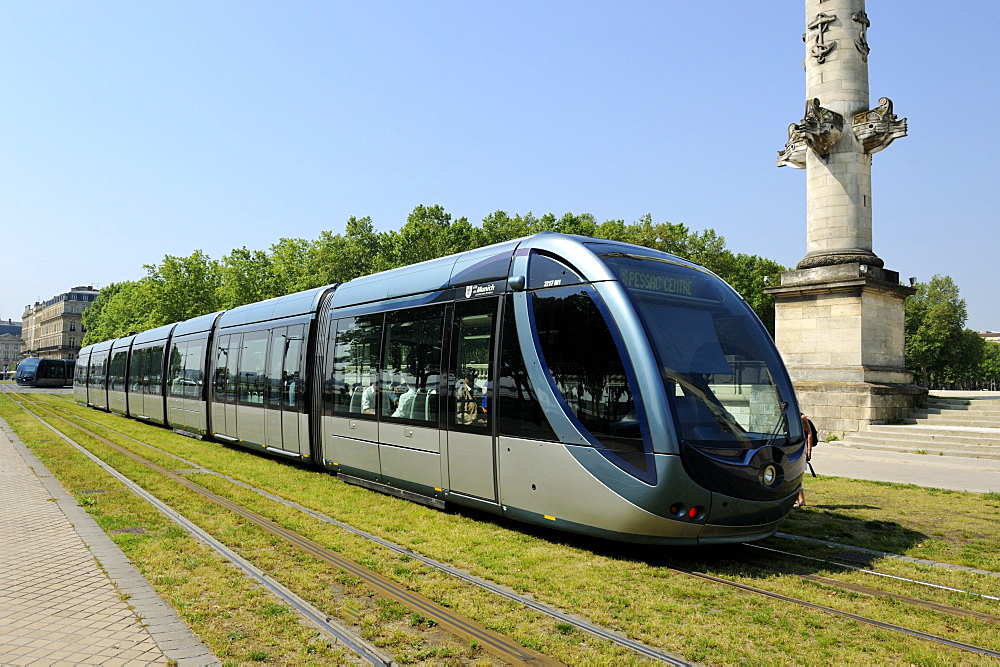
291 267
184 287
120 309
246 276
427 234
964 360
990 373
499 226
934 321
359 251
582 225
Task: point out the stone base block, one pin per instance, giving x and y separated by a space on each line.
846 407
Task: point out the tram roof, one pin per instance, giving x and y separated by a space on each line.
300 303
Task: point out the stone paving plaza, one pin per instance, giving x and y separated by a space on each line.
57 605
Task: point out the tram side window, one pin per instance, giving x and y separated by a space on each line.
116 374
412 365
292 381
279 344
194 368
141 375
175 369
154 369
353 365
252 374
586 366
186 374
545 271
97 367
225 368
472 358
518 411
137 373
82 369
52 370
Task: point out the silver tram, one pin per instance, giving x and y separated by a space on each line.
591 386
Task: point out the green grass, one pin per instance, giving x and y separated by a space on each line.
207 592
613 585
936 524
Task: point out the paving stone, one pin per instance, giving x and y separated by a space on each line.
59 603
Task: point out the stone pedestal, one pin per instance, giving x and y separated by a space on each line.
840 332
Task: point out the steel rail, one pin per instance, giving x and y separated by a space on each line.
458 624
941 608
340 634
979 650
586 626
887 554
864 570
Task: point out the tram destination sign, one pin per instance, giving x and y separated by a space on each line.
657 281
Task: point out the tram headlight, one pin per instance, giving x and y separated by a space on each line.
770 475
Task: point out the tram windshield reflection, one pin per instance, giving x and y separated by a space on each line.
725 385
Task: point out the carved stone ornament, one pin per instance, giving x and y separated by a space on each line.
821 48
821 128
879 127
862 41
794 155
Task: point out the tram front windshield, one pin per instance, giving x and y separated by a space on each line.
720 370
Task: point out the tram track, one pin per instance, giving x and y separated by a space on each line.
863 570
872 591
557 615
855 588
884 625
723 581
466 628
874 553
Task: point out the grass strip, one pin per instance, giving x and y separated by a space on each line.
619 587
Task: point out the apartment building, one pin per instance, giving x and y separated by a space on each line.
11 345
53 329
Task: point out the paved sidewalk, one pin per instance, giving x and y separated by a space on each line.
57 605
959 473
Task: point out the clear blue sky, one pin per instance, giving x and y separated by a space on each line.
133 130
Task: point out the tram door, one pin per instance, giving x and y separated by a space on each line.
224 384
291 392
284 389
471 459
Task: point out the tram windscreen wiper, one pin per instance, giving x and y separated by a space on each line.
722 417
782 419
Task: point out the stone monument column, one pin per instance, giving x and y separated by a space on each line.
839 314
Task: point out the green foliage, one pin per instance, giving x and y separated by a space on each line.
183 287
939 349
991 363
360 251
119 310
180 288
290 268
935 316
247 277
429 233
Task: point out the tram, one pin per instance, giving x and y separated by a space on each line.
37 372
590 386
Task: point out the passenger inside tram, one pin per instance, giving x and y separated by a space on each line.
370 397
